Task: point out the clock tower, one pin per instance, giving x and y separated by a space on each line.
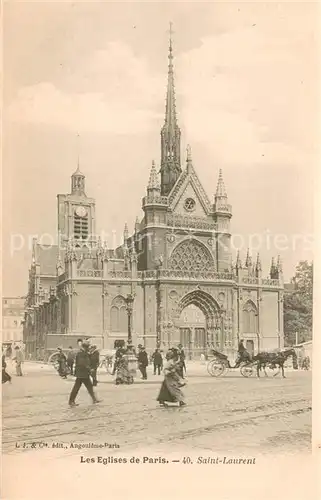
76 212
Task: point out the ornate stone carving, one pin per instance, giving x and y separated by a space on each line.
171 238
173 295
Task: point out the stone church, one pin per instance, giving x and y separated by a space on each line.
176 269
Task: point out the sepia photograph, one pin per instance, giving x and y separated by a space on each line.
159 172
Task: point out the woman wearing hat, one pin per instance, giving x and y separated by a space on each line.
62 363
123 375
170 391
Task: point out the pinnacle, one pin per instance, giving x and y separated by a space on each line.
238 263
220 189
153 182
188 154
248 261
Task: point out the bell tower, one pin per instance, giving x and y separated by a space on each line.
76 213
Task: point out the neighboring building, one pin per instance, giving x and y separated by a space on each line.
177 265
12 319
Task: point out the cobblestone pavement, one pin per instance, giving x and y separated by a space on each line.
229 414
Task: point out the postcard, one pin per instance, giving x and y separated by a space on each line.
159 172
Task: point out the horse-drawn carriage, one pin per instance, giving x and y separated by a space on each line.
220 365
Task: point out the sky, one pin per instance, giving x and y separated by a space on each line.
88 80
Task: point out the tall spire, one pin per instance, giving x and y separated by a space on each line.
170 113
170 133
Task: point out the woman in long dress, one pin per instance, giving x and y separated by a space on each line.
62 364
170 391
123 375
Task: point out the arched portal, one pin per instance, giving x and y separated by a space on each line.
199 320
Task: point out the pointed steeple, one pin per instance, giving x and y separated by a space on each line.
170 133
220 188
153 183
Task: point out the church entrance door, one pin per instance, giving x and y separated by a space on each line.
185 338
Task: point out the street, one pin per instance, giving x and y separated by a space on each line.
228 414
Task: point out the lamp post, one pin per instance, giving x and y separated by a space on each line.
129 306
130 355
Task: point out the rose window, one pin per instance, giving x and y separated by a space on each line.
191 256
189 204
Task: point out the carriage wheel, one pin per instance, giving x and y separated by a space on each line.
216 368
109 366
247 370
53 359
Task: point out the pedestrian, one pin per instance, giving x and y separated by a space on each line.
62 363
170 391
5 376
118 355
82 372
79 343
142 362
18 358
157 360
123 375
181 356
71 360
94 363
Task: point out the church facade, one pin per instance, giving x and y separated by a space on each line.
172 278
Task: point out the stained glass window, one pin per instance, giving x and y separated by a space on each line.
191 256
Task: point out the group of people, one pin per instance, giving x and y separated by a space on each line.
86 372
121 368
18 358
67 363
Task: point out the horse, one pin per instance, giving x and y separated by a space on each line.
273 359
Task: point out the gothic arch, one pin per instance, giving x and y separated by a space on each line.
191 255
204 301
118 315
250 317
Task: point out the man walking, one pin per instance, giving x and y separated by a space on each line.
82 372
157 361
142 362
18 358
94 363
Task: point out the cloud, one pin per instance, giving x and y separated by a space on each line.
249 95
121 102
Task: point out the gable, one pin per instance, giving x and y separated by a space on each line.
189 186
189 193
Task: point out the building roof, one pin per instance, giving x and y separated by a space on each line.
47 256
